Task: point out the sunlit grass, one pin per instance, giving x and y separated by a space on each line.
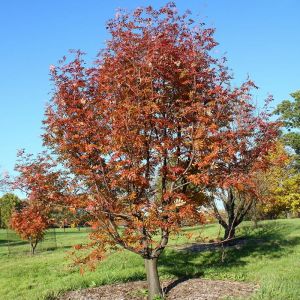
270 257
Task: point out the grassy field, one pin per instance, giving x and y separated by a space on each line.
270 257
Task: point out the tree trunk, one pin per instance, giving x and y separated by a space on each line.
154 289
229 232
33 246
255 215
255 222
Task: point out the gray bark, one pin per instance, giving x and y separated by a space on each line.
154 289
33 246
229 233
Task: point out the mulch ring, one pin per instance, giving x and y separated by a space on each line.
185 289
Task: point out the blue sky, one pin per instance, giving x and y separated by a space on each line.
260 38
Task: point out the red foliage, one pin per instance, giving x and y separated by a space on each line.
30 224
40 180
154 117
155 114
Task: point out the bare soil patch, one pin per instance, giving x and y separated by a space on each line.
181 289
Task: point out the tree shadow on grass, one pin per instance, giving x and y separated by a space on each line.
9 243
72 233
3 243
268 240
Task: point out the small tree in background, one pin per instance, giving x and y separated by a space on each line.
279 185
8 203
233 185
62 216
30 224
45 187
289 113
66 216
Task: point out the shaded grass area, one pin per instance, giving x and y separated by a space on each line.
11 243
270 256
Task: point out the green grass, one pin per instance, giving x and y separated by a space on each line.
270 257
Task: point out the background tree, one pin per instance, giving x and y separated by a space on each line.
64 216
45 185
289 113
30 224
279 186
250 138
45 188
8 203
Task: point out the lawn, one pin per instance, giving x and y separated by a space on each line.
269 257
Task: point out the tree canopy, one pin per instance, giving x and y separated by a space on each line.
30 223
134 138
289 113
8 203
279 185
